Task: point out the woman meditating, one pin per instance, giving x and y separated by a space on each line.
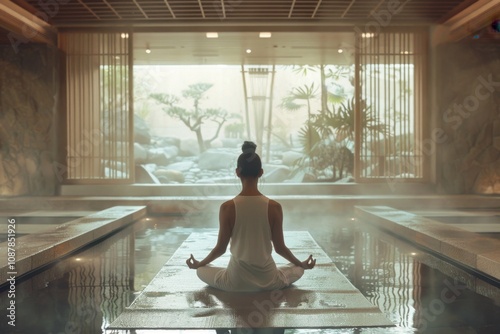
253 224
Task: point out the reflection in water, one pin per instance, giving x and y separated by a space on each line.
250 310
86 292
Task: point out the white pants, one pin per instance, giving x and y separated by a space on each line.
218 277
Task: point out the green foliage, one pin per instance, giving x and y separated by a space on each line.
196 116
306 93
328 137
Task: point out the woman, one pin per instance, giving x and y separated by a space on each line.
254 224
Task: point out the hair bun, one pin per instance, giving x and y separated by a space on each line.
248 147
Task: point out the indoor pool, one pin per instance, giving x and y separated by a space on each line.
419 292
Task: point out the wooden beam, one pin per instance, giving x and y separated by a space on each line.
25 26
467 22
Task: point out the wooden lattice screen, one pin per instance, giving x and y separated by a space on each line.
390 102
99 116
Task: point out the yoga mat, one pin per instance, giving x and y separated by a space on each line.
177 299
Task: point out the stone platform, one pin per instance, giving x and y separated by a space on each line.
177 299
471 250
36 250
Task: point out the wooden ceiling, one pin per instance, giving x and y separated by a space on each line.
303 31
158 12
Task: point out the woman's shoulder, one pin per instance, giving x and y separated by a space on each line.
274 204
227 205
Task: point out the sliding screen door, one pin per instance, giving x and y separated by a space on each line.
390 100
99 128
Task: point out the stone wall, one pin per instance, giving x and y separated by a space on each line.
468 118
28 108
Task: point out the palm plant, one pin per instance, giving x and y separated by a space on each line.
329 136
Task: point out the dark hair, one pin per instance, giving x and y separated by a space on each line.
249 162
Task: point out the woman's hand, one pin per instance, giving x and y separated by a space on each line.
193 263
309 263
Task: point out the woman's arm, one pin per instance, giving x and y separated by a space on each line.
226 223
276 221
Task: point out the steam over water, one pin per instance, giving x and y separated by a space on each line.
87 291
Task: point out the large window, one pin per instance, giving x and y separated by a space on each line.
357 120
195 118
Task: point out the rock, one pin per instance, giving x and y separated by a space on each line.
168 141
163 179
213 159
140 153
171 151
231 143
143 175
189 147
276 174
348 179
182 166
291 157
158 159
162 156
169 175
217 143
141 131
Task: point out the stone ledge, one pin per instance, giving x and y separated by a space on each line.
34 251
463 247
337 203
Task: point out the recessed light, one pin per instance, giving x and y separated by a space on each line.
212 35
265 34
248 51
148 50
340 50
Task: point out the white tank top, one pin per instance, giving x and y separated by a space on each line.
252 267
251 235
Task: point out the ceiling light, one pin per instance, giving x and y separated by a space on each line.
265 35
124 35
368 35
248 51
340 50
148 50
212 35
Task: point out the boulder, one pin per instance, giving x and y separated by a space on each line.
291 157
213 159
347 179
143 175
141 131
170 175
181 166
189 147
232 142
140 153
168 141
276 174
162 155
